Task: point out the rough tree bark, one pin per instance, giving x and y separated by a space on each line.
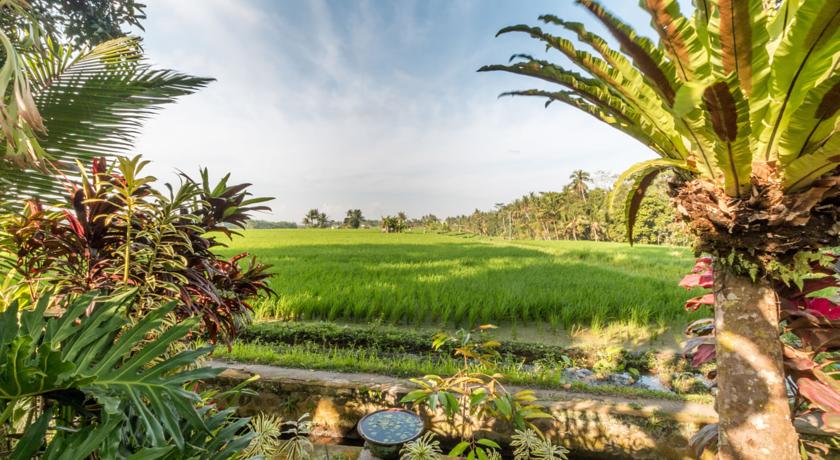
752 403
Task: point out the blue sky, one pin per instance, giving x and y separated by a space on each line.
369 104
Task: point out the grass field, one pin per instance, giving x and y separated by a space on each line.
364 275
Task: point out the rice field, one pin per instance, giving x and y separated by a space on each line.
417 278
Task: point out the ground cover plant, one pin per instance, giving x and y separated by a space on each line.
366 275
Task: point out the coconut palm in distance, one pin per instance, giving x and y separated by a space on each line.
354 218
580 182
315 219
741 101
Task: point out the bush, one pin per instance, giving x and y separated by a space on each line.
123 233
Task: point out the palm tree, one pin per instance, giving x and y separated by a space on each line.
354 218
395 224
580 180
741 101
315 218
61 105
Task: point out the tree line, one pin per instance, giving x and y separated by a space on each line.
580 211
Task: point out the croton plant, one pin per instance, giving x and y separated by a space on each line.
810 336
118 231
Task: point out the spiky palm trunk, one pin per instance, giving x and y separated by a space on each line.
752 402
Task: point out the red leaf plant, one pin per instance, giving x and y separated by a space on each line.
120 232
810 336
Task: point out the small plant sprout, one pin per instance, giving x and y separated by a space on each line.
297 445
267 432
425 447
531 444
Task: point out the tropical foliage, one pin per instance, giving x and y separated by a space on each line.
394 224
354 218
578 212
425 447
532 444
85 23
276 438
106 285
78 385
739 100
63 105
121 232
472 399
315 218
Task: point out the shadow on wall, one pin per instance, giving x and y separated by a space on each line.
591 428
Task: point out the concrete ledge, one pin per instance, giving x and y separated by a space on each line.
594 426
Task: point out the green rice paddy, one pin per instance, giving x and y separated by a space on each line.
414 278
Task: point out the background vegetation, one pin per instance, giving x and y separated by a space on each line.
579 211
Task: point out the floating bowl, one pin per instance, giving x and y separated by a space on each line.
386 431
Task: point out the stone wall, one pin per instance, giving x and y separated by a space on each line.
590 425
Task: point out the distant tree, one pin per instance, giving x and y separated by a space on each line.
265 224
580 182
354 218
394 224
566 215
315 218
430 222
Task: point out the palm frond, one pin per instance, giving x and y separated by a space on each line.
728 116
679 39
806 53
93 104
742 95
90 350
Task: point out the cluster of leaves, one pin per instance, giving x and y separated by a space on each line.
810 317
354 218
278 438
474 399
62 104
530 444
99 375
79 386
122 232
462 344
316 219
425 447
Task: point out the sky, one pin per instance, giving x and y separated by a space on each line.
373 104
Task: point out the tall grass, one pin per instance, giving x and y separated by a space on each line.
411 278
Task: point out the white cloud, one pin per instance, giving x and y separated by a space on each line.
348 107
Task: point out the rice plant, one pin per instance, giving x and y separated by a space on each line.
420 278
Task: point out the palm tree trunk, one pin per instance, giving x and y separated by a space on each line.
752 402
